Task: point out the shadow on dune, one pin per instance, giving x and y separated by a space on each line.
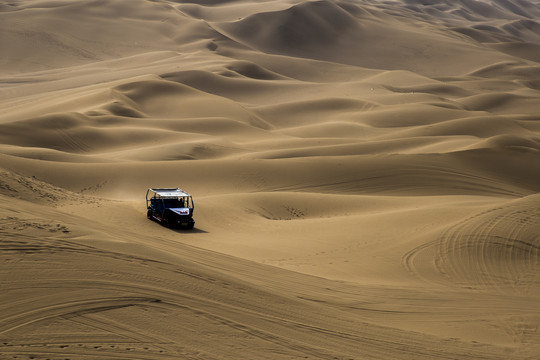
195 230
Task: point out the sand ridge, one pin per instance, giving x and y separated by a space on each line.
365 177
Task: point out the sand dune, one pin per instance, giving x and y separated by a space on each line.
365 176
310 30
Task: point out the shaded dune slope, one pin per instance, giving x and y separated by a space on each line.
309 30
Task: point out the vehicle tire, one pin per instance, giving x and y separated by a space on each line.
165 222
149 214
168 219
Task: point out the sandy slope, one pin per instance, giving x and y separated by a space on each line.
365 176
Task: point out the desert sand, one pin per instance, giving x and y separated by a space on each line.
366 177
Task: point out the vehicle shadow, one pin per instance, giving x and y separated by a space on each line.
195 230
189 231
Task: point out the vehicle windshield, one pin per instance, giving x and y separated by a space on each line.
173 203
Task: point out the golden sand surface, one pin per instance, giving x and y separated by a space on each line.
366 177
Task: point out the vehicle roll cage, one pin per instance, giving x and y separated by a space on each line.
173 197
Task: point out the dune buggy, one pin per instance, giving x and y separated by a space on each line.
171 207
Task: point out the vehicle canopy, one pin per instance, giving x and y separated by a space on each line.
170 197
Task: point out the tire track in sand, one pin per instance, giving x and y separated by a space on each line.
496 252
498 248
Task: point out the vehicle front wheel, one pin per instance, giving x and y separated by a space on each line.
166 222
149 214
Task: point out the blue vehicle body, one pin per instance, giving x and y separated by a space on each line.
172 207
